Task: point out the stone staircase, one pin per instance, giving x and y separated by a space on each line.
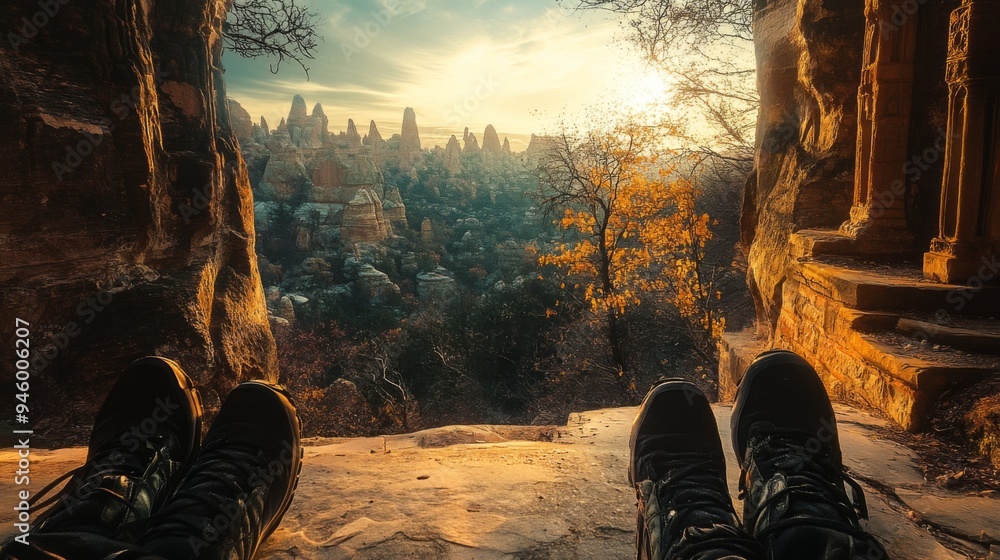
878 333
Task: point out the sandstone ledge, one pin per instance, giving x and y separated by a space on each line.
557 492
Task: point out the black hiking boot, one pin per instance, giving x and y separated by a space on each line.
678 471
792 481
145 433
240 484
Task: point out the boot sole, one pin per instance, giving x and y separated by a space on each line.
299 453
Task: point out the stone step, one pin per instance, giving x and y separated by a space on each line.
969 340
871 287
923 365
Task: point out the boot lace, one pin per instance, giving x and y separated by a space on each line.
692 487
810 477
219 503
108 461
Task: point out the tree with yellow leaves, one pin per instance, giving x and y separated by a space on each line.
631 228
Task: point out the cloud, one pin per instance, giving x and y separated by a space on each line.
517 64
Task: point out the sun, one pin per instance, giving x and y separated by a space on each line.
646 89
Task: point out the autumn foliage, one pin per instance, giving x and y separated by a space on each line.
631 230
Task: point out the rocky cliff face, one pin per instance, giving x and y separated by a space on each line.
128 227
809 61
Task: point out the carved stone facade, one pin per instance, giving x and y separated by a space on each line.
897 113
969 223
884 102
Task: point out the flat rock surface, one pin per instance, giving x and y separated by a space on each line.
548 492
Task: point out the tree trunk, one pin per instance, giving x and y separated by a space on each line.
618 353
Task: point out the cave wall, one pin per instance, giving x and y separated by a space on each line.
127 221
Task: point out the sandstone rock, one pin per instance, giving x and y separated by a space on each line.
261 133
285 310
240 122
436 285
505 150
364 173
374 141
375 282
491 141
471 144
285 176
394 209
297 115
496 492
409 139
176 277
363 220
426 232
453 156
538 146
273 296
805 161
353 138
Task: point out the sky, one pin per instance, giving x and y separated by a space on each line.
520 65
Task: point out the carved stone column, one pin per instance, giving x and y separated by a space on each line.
969 226
884 99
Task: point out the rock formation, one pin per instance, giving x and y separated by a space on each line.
436 285
394 209
374 141
491 141
505 150
353 138
471 144
375 282
261 133
409 140
129 240
453 156
364 221
426 232
297 115
285 176
240 121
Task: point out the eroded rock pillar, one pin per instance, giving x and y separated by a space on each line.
969 222
884 100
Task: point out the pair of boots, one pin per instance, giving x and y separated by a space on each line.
792 479
151 488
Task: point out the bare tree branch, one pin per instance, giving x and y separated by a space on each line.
278 29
